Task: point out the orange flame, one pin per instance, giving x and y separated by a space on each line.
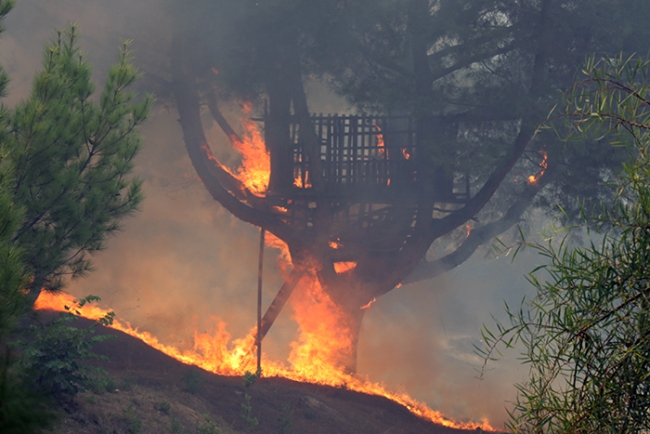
342 267
405 154
324 332
297 181
534 179
284 255
468 228
367 305
255 169
335 244
323 337
381 146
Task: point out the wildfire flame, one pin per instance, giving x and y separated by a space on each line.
543 165
342 267
381 146
323 337
335 244
297 181
298 177
367 305
324 332
405 154
255 168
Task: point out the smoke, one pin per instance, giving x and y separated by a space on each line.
183 259
421 337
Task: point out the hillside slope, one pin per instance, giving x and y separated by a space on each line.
153 393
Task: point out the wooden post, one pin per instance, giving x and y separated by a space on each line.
259 303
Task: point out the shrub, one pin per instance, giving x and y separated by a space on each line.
52 354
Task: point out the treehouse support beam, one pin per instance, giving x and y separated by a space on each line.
279 301
260 270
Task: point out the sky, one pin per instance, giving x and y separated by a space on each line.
183 259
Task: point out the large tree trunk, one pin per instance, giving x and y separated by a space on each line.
349 294
340 308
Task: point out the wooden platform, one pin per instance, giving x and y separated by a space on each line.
370 167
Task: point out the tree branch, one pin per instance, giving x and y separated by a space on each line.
439 73
428 270
208 168
220 120
447 224
526 133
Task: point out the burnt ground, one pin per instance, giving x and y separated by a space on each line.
153 393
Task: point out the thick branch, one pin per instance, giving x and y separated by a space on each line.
451 222
210 171
478 236
402 263
526 132
220 120
471 59
467 47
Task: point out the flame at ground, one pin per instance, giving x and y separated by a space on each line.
324 336
324 333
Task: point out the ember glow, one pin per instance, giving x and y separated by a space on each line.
534 179
323 337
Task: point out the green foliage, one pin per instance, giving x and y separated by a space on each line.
21 410
134 422
52 354
64 165
71 160
249 380
191 380
175 426
12 276
126 383
163 407
247 409
586 333
286 419
208 427
101 383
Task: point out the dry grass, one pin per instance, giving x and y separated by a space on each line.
141 409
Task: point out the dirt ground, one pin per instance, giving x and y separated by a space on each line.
149 392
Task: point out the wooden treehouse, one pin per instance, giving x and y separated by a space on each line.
375 176
372 166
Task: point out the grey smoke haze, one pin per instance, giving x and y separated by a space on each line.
184 259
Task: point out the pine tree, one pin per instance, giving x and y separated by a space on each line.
65 161
71 160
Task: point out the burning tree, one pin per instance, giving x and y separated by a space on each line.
455 91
